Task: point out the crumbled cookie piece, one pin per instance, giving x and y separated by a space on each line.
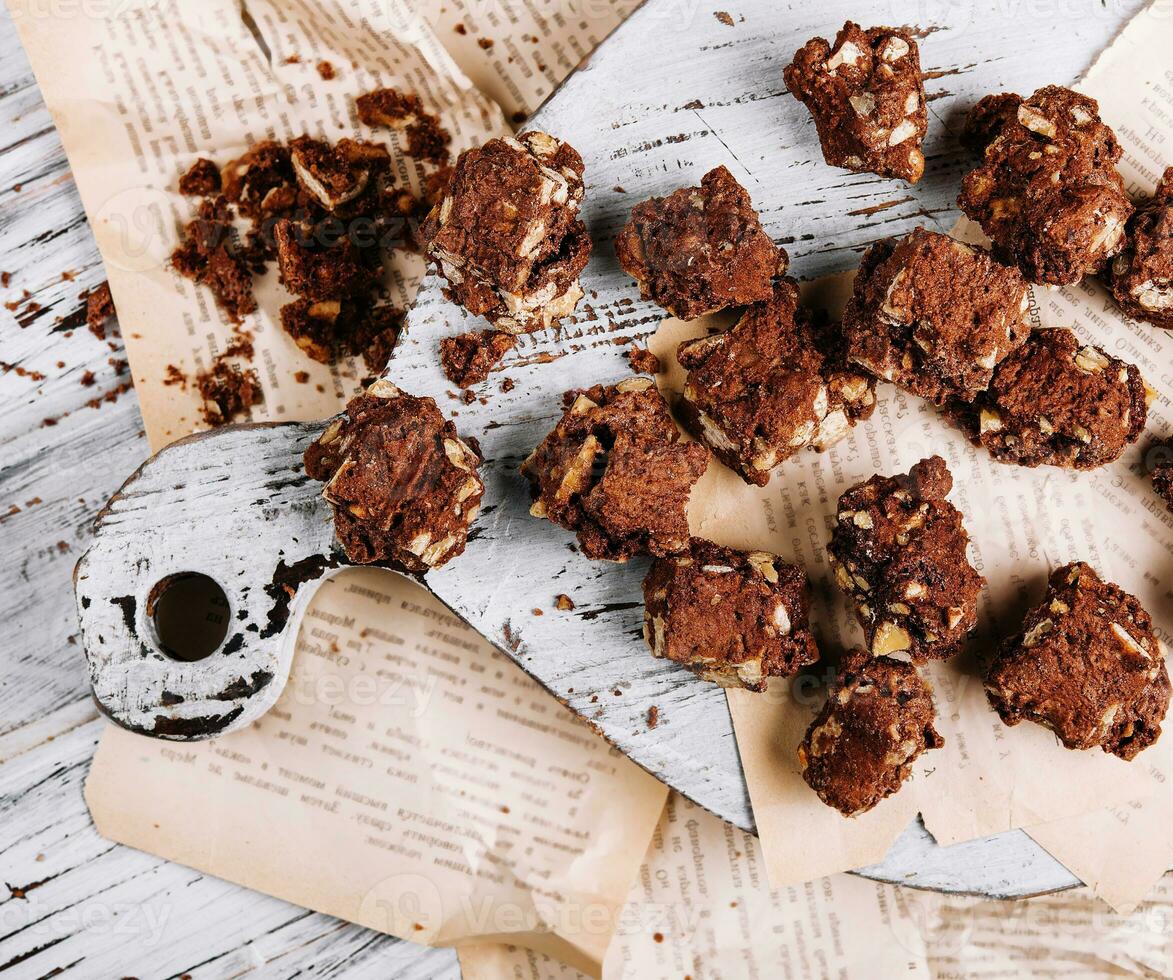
201 180
468 358
99 309
227 390
770 386
321 270
735 618
506 234
877 720
208 254
867 99
336 174
642 360
1161 470
1087 665
260 181
426 139
404 486
700 249
1047 192
899 552
1142 275
1057 402
934 316
615 471
325 328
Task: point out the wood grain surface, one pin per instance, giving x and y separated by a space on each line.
657 106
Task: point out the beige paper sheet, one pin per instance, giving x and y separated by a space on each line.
702 907
399 782
411 779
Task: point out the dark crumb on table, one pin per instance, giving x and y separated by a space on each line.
301 377
468 358
293 59
518 117
724 17
5 279
99 309
201 180
643 361
537 612
460 29
564 602
653 716
227 391
468 396
325 70
618 190
486 43
87 379
174 376
1160 459
508 385
1087 665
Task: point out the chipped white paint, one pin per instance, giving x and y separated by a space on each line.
712 94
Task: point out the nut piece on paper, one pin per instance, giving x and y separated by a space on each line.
899 551
507 234
1056 402
867 99
934 315
877 720
700 249
732 617
772 385
404 486
616 471
1086 665
1142 275
1047 193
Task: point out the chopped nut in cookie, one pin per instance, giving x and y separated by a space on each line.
1047 194
507 236
1087 665
700 249
934 316
468 358
404 486
616 471
877 720
1142 274
1057 402
770 386
733 617
867 99
899 551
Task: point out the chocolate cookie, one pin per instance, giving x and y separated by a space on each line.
876 722
1086 665
867 99
1059 403
732 617
1142 275
899 552
1047 193
700 249
507 235
404 486
770 386
615 471
1161 470
934 316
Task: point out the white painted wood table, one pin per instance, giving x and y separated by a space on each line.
74 898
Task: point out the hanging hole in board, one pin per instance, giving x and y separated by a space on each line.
189 612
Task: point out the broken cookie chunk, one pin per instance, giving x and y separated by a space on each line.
877 720
202 179
769 387
615 471
468 358
1161 470
1142 275
1056 402
209 254
899 551
1086 665
867 99
934 316
701 249
1047 193
732 617
404 486
506 234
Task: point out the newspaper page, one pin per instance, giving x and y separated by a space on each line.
702 907
411 779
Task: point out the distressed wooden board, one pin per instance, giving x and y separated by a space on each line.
712 94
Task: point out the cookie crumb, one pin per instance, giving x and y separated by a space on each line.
326 70
564 602
653 716
643 361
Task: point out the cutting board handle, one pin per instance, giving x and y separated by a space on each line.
205 552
